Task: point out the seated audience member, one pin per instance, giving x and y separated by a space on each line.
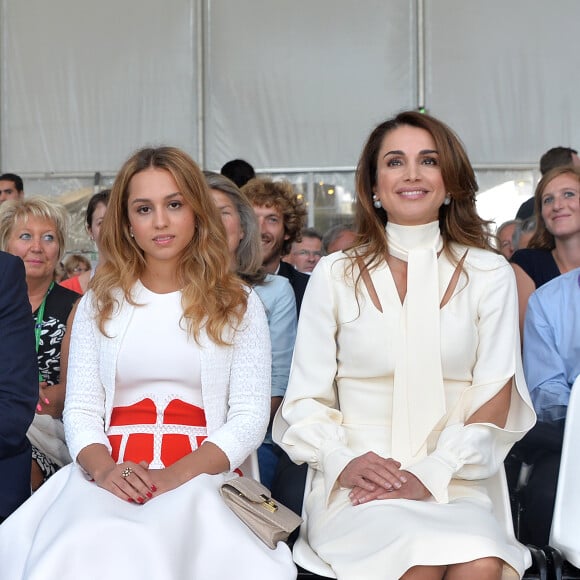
405 427
94 218
555 157
551 365
524 233
555 246
35 230
238 171
274 291
305 254
339 238
281 216
505 237
60 274
11 187
76 264
18 384
168 392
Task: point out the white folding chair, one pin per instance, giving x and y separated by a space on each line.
250 466
565 532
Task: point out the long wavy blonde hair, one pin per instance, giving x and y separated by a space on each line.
213 298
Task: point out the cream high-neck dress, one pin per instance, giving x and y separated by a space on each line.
339 404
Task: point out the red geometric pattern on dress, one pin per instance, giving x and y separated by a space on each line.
142 413
139 448
180 413
174 447
115 441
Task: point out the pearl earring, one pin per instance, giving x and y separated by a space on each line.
447 200
377 202
131 232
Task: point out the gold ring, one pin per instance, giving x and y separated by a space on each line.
126 472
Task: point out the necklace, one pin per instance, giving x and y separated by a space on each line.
39 322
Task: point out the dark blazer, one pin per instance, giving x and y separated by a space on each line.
18 384
298 281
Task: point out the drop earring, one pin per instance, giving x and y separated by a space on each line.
377 202
447 200
131 232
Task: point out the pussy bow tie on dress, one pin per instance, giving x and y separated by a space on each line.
418 395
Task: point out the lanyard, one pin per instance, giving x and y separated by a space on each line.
39 321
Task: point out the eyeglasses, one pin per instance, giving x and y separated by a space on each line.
80 269
308 253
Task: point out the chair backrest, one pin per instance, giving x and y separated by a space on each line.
250 467
499 494
565 533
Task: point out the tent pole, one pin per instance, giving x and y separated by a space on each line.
201 73
420 7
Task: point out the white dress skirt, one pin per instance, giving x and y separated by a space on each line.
72 529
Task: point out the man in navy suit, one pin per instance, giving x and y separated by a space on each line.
18 384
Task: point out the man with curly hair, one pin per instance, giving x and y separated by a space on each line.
281 216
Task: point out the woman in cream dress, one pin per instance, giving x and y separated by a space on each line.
406 390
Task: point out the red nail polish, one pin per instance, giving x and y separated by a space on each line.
149 495
153 488
140 500
130 500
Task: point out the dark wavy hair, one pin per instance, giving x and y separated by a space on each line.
458 221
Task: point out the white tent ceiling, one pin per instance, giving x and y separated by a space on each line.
284 83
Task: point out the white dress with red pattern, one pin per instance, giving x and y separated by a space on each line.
158 414
75 529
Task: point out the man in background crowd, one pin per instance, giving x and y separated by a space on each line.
11 187
505 237
305 254
281 216
337 238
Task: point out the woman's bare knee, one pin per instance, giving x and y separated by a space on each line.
424 573
480 569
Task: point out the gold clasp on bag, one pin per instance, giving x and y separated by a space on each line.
269 503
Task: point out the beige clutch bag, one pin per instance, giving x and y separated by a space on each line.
251 502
